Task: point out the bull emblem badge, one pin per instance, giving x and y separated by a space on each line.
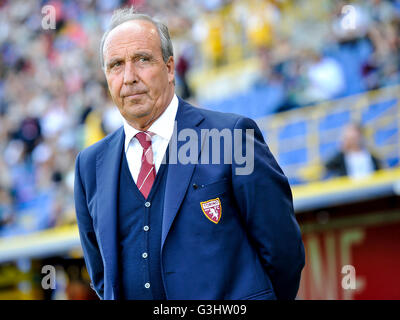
212 209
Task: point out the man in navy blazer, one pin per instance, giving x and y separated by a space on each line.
215 225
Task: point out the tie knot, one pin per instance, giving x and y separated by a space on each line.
144 138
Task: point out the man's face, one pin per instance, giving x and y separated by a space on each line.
351 139
140 82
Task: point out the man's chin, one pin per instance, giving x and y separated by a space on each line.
135 113
136 109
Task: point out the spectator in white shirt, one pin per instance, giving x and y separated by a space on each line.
354 159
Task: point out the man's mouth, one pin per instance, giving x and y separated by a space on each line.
134 95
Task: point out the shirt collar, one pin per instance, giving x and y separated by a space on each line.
163 126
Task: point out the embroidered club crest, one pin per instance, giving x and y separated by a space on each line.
212 209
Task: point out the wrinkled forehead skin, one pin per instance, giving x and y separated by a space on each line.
141 33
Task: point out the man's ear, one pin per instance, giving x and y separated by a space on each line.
171 69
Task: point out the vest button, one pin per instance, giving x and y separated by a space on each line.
147 204
144 255
146 228
147 285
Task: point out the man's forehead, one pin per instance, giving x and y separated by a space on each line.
131 30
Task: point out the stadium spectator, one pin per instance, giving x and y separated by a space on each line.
6 207
354 159
325 78
182 68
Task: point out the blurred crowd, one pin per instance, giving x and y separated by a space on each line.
54 100
308 50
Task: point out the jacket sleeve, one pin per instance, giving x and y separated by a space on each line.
266 206
91 252
335 166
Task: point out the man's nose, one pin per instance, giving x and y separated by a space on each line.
130 75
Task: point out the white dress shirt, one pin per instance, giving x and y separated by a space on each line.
359 164
162 128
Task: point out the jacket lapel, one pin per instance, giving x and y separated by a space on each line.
179 175
107 177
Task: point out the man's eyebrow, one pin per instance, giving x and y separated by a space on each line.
134 56
142 54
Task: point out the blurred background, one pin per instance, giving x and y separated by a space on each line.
321 78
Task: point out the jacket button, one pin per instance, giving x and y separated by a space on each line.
147 204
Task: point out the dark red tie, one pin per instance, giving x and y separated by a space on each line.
147 173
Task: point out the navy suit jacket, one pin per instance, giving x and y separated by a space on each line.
255 251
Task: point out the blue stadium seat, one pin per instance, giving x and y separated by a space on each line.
392 162
326 150
387 135
377 109
298 156
335 120
256 103
292 130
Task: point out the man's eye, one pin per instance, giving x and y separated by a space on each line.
144 59
115 65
